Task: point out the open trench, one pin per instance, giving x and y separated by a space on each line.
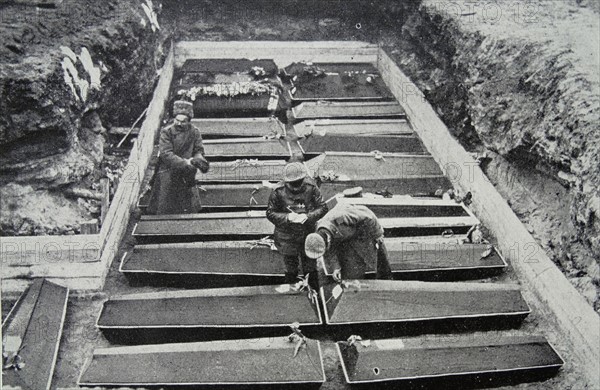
557 200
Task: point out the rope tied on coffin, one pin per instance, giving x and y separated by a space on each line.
239 163
377 155
355 338
302 285
265 241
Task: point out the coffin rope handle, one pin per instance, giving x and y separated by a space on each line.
377 155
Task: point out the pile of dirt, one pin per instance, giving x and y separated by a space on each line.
67 74
522 86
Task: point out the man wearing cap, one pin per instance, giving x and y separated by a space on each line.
180 154
295 205
350 240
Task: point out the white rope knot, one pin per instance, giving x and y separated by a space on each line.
378 155
265 241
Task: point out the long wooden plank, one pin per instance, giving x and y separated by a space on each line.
325 110
248 362
239 127
315 144
36 327
376 301
340 81
207 258
239 148
25 251
353 127
556 297
443 358
243 170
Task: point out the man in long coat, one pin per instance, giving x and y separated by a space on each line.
181 154
350 240
294 207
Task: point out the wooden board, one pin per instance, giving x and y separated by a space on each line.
239 127
340 81
207 258
315 144
249 148
243 170
206 314
324 110
447 359
206 224
377 301
258 362
36 324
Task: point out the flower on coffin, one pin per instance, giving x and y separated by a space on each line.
302 285
258 71
265 241
355 338
328 176
228 89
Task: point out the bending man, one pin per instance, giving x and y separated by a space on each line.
350 240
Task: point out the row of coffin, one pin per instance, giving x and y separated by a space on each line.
377 154
32 332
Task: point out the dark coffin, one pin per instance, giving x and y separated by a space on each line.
406 306
251 362
424 186
350 166
239 148
239 127
207 314
341 81
243 170
492 358
33 330
315 144
250 223
353 127
214 66
424 259
405 212
225 73
206 264
324 110
232 196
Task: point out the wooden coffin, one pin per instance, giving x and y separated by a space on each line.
248 148
216 364
239 127
456 361
351 166
338 81
417 186
221 313
340 110
315 144
31 335
204 264
405 212
426 259
353 127
235 224
408 306
243 170
234 196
